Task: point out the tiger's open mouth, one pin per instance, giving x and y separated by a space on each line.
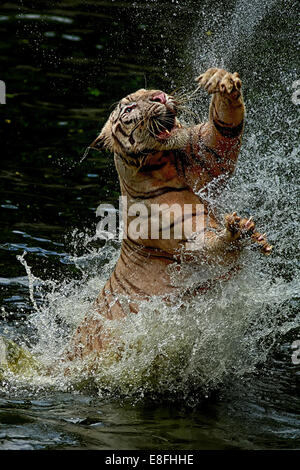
164 125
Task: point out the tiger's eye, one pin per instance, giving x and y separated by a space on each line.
129 108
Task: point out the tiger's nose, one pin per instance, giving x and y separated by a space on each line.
159 98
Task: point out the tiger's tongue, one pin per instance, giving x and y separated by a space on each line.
164 134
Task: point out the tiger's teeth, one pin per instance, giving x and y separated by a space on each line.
167 132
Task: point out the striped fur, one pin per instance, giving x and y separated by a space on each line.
160 161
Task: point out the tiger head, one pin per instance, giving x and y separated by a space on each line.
142 122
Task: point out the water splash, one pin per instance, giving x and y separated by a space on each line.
228 32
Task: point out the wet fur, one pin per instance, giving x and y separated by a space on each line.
161 161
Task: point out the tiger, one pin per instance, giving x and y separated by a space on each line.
162 161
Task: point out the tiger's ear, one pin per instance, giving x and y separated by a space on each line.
98 143
104 139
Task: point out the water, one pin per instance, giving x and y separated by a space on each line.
216 373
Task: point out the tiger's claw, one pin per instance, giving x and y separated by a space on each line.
239 228
262 241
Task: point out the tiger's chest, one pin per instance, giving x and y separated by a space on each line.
159 209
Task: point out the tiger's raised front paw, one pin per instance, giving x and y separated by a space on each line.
238 229
220 81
